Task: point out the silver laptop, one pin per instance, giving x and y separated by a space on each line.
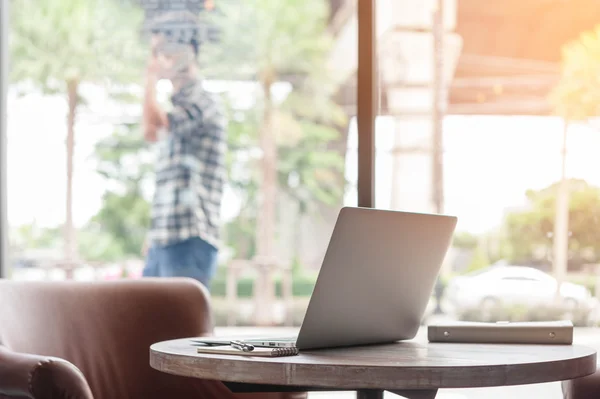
375 281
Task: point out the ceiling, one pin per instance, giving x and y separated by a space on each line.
523 29
511 52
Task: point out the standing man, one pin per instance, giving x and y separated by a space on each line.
190 170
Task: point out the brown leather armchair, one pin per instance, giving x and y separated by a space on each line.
78 340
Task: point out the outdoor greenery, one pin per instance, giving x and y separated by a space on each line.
577 95
283 143
292 134
576 98
529 232
32 236
103 50
118 229
464 240
305 174
302 286
280 147
479 260
59 45
125 161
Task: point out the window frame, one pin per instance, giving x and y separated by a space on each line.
367 101
3 136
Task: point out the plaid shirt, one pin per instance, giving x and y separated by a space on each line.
190 170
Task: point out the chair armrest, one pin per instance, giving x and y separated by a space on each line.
40 377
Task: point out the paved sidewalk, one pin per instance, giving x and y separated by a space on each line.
583 336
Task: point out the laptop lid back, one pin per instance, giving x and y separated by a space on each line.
376 278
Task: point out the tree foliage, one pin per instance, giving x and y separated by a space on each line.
292 134
124 160
529 232
465 240
57 41
479 260
306 173
293 47
306 167
57 45
33 236
577 95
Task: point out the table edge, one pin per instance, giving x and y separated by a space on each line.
282 374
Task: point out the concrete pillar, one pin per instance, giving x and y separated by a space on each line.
407 73
412 166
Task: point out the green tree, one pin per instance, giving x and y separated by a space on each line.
479 260
464 240
292 47
96 245
33 236
576 97
306 173
125 161
530 232
59 45
241 134
307 167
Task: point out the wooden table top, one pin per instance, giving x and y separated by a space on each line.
403 365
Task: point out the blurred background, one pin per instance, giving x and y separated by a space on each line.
487 111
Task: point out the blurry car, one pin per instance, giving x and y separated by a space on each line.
512 285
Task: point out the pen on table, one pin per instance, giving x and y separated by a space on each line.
242 346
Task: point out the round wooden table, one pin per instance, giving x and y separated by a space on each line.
411 369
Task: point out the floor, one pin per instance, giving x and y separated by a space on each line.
583 336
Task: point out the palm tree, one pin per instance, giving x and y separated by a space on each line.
58 45
270 41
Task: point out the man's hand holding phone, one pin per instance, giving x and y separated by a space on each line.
153 116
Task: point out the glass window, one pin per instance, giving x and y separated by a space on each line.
84 182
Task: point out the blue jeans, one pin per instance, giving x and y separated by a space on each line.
193 258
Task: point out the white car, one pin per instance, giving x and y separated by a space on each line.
512 285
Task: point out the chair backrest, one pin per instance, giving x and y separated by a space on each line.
106 328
